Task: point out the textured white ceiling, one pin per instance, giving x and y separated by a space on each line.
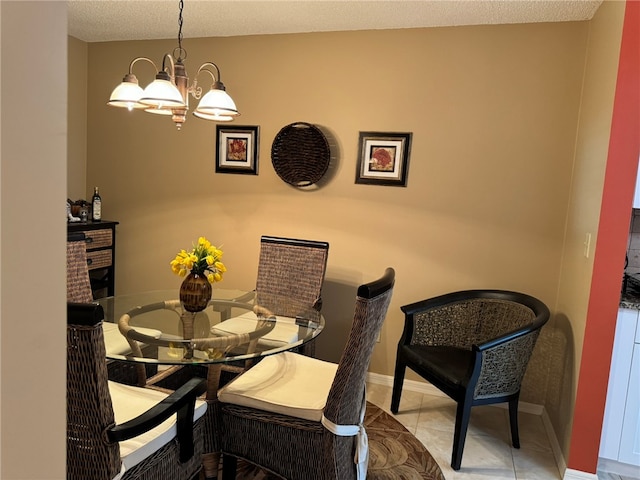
107 20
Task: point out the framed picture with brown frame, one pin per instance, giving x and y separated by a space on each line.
383 158
237 149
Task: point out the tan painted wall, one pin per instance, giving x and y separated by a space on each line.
592 143
493 111
32 240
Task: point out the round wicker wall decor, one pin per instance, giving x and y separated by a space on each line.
300 154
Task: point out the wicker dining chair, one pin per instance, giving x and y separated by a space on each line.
79 291
300 417
474 346
289 282
78 282
119 431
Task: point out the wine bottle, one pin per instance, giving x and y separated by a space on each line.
96 206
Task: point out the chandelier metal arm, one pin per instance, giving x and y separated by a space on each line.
217 81
135 60
130 77
172 71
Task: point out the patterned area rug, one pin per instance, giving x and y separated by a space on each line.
394 453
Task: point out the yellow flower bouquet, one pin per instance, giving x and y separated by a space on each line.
203 260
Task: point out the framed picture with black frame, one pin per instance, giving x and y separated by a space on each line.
383 158
237 149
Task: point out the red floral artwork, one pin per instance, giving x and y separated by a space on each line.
237 149
382 159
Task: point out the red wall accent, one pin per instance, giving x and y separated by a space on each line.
619 185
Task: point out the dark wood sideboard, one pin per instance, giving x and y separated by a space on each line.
101 254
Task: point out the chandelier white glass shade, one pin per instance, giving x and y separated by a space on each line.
127 94
169 93
161 94
216 104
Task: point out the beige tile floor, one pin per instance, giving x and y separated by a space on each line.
488 454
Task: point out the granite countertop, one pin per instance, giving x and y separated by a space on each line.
630 297
630 300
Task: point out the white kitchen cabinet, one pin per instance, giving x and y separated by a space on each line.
620 440
630 437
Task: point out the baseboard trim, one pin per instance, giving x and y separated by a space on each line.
553 442
411 385
426 388
570 474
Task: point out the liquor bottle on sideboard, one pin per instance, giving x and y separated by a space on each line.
96 206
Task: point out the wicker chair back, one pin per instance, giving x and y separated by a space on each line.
78 282
290 274
345 397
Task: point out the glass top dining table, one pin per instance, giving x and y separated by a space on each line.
152 327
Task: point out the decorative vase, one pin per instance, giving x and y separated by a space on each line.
195 293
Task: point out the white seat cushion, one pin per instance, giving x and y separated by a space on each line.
115 342
129 402
284 333
286 383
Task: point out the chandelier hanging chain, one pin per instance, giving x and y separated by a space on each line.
180 50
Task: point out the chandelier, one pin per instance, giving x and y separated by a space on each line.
169 93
